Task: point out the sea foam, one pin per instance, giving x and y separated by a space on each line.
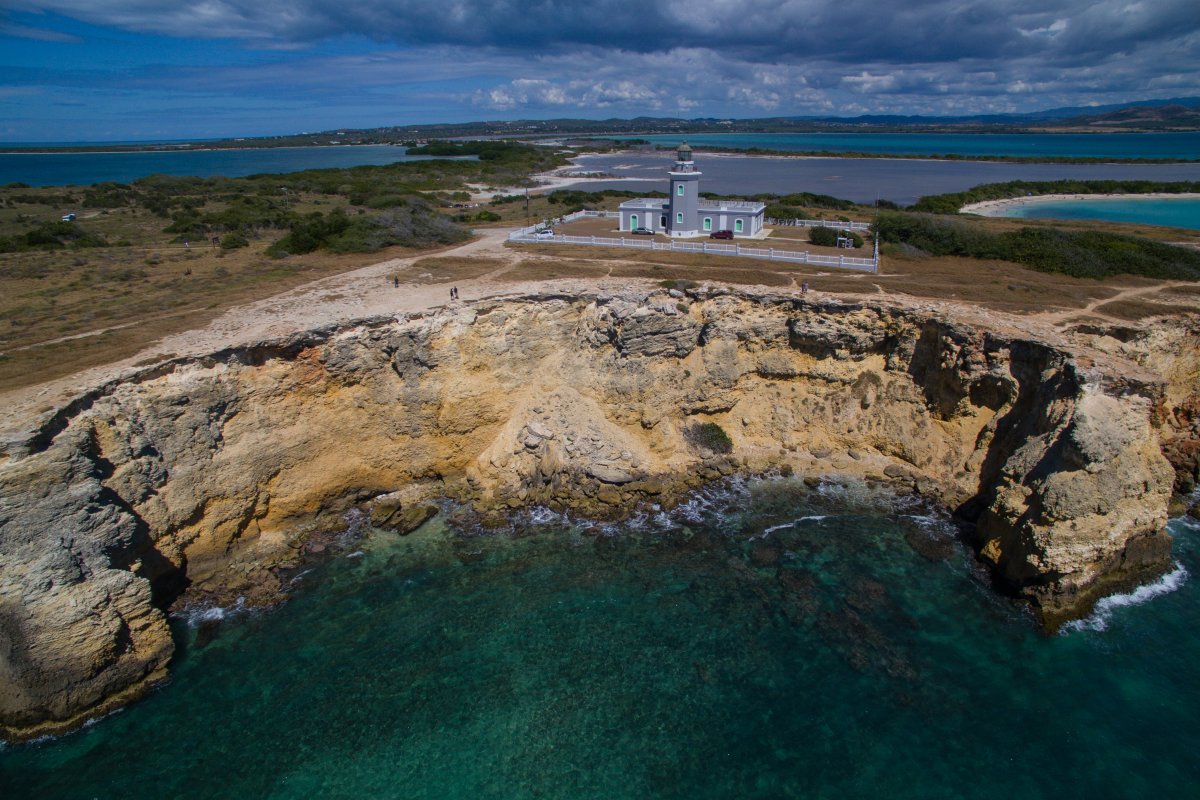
1103 613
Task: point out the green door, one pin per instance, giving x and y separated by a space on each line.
633 222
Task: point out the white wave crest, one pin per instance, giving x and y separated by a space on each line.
196 616
1100 617
793 523
540 515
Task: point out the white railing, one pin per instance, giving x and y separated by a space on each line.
743 205
737 250
547 223
819 223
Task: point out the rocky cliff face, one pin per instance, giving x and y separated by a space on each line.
207 476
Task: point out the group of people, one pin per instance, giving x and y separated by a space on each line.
453 290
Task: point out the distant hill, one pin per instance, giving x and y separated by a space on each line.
1175 116
1180 113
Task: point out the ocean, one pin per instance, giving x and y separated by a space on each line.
764 640
1177 145
81 169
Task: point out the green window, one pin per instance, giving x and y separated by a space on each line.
679 190
708 223
737 226
679 218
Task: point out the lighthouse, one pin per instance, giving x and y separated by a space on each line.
685 194
684 214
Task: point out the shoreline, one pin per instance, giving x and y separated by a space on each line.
998 208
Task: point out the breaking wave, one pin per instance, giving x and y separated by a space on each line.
1103 613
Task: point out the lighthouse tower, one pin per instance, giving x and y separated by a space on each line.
683 218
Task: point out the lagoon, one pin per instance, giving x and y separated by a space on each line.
1183 145
861 180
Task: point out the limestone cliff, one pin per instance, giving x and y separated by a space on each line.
206 476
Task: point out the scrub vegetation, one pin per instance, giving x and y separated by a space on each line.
1081 254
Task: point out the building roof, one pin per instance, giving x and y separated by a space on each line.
646 202
732 205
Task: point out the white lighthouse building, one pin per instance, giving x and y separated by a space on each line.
684 213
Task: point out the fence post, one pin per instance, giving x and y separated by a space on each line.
772 253
841 260
593 240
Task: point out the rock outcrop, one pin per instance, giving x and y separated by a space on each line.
203 478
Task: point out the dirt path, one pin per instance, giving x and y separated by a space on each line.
1060 319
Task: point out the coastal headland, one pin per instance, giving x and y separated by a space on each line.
201 462
201 479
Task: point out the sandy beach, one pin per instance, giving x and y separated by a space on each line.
1002 208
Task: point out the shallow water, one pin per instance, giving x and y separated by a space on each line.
1179 212
763 641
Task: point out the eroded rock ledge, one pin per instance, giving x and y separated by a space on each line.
205 475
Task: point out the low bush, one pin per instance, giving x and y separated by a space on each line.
828 237
232 241
710 436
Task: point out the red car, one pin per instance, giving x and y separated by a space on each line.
721 235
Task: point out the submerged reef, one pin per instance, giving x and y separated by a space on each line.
205 480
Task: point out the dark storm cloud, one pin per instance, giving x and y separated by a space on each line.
688 57
837 30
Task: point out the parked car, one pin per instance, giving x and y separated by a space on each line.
643 231
68 218
721 235
544 233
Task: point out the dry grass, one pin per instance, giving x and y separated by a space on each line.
119 300
448 268
999 285
1140 308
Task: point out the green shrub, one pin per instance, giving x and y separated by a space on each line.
828 237
709 435
232 241
487 216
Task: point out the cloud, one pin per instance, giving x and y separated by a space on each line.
425 60
835 30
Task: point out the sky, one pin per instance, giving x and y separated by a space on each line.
115 70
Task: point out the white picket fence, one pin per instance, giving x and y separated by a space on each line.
526 235
709 248
737 250
818 223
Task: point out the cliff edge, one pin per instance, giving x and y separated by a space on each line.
201 478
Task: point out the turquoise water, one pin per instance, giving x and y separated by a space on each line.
81 169
1178 212
765 641
1181 145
